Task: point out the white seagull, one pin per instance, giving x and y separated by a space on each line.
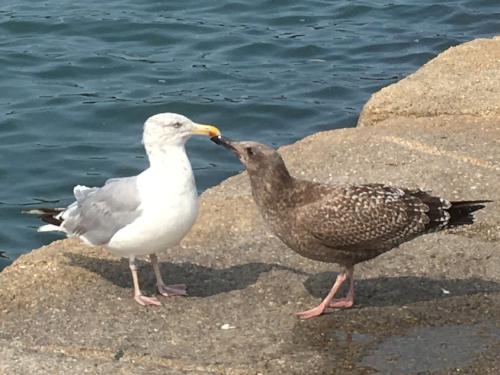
143 214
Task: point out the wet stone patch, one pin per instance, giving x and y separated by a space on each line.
432 348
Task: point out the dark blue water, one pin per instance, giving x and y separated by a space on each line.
78 79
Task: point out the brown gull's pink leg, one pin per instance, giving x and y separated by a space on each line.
138 296
166 290
348 301
318 310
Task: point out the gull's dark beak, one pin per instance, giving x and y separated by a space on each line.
226 142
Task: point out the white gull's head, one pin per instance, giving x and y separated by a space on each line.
171 129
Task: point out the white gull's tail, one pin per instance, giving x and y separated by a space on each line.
52 216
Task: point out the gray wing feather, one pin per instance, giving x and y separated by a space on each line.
99 213
364 216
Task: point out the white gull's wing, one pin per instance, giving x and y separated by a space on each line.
99 213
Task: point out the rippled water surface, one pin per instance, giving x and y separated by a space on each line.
78 79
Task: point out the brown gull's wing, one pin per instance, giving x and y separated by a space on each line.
368 216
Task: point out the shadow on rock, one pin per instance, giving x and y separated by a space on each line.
201 281
388 291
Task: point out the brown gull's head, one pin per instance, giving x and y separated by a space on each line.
256 157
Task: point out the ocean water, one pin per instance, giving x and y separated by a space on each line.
78 79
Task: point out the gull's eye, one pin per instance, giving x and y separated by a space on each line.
177 125
249 151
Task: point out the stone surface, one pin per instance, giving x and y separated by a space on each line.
67 308
463 80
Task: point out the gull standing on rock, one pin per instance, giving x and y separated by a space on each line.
143 214
343 224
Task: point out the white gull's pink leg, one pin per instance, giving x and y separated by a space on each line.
138 296
166 290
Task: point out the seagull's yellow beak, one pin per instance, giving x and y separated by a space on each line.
208 130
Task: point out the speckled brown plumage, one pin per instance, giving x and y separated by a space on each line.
344 224
349 224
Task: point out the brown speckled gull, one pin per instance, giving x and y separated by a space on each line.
343 224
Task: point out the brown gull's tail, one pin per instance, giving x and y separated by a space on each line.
462 212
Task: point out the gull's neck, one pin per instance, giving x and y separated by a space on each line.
271 184
169 159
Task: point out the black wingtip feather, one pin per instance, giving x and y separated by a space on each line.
48 215
462 212
470 203
51 219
